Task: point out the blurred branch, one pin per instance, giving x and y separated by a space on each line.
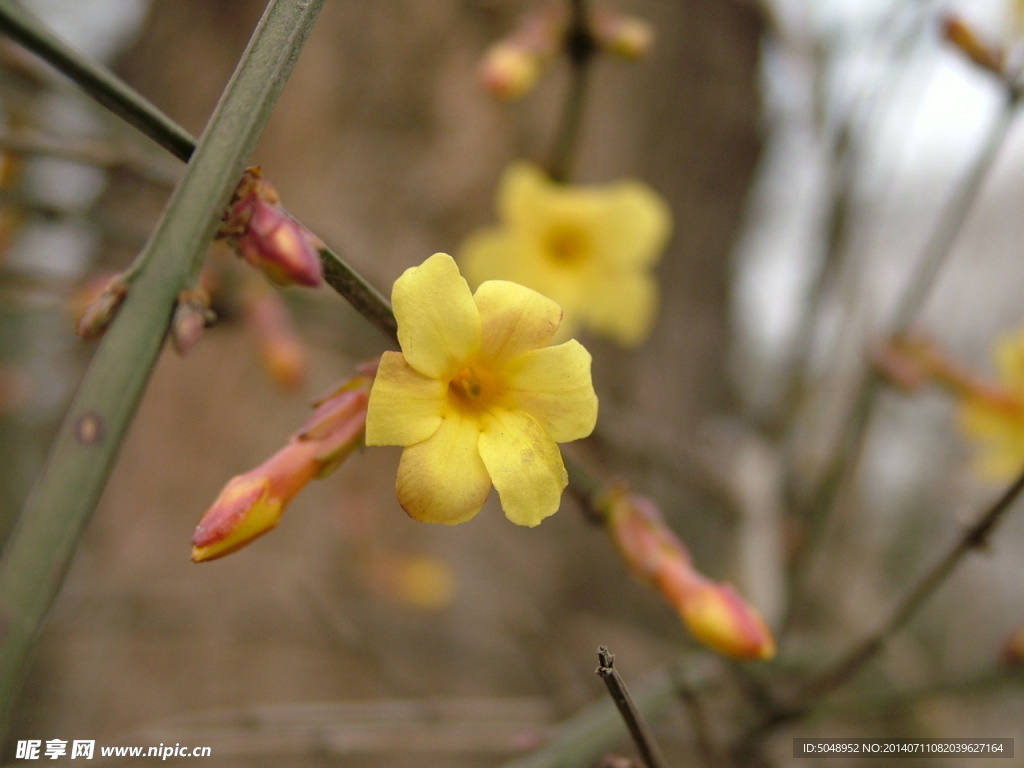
95 79
638 730
580 48
975 537
880 705
93 153
827 682
122 100
819 502
41 546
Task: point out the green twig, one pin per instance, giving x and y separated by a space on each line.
42 544
580 49
95 79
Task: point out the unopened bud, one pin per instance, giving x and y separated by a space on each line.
265 236
252 503
192 315
717 616
508 71
625 36
985 54
512 66
99 312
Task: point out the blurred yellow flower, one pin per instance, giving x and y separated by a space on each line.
476 397
993 416
590 249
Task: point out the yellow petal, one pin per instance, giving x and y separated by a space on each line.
622 306
525 466
634 227
443 479
553 385
523 196
514 319
405 406
438 323
491 254
1009 354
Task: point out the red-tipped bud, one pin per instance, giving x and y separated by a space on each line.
714 613
281 349
252 503
625 36
985 54
508 71
265 236
512 66
99 310
717 616
191 317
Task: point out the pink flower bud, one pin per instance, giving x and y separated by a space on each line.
100 309
717 616
713 613
252 503
508 71
265 236
624 36
191 317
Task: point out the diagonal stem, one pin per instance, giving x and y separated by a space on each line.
43 542
95 79
122 100
638 730
580 48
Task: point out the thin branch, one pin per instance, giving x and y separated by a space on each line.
638 730
589 734
711 756
828 681
95 79
92 153
41 546
820 501
580 48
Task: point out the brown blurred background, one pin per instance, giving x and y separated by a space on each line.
385 145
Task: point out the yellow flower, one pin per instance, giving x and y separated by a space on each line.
993 416
590 249
476 397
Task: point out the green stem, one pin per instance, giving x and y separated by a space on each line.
580 48
42 544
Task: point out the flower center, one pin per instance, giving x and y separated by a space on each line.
566 246
473 388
